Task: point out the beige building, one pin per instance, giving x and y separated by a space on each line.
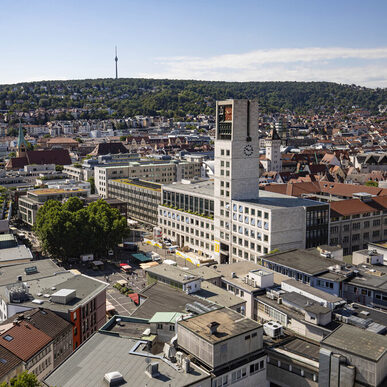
356 222
157 172
229 345
30 204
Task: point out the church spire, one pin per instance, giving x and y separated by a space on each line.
21 143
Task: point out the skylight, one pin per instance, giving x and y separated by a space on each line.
8 337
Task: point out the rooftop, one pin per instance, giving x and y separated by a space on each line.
8 361
304 260
17 253
44 268
165 317
42 282
357 341
139 183
231 324
173 273
302 348
43 319
24 340
273 200
125 326
55 191
218 295
199 187
160 297
311 290
204 272
104 353
303 303
241 269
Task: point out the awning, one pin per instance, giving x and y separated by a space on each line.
135 298
141 257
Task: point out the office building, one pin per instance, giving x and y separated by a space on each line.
229 218
142 198
154 171
30 204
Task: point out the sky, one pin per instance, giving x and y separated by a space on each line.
241 40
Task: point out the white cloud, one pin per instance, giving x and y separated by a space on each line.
345 65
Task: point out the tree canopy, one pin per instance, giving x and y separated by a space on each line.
68 230
24 379
115 98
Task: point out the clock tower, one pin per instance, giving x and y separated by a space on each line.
236 174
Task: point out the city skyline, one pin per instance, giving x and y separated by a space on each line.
220 41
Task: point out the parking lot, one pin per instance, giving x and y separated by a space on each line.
111 274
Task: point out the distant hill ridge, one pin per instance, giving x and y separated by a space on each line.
176 98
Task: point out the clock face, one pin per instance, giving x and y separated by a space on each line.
248 150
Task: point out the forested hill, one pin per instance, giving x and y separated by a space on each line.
176 98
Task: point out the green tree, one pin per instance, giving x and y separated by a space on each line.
371 183
24 379
59 168
69 230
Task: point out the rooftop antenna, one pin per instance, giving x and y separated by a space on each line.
116 59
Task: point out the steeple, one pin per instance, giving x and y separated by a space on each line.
116 59
273 135
21 143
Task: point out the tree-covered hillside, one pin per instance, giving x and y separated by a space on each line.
176 98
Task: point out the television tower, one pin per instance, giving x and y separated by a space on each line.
116 59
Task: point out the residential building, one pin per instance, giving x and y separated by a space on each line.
77 298
54 326
11 365
29 344
356 222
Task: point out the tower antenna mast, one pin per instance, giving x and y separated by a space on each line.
116 60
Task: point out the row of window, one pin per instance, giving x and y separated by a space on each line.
237 375
250 211
247 220
357 225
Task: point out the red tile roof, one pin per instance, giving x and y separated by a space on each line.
26 340
53 156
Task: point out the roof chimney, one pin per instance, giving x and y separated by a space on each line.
152 370
213 327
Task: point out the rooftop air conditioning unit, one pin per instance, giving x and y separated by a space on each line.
273 329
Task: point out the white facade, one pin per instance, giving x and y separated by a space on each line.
273 152
228 218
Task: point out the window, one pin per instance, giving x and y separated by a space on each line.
159 326
8 337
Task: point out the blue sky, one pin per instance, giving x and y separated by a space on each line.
241 40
